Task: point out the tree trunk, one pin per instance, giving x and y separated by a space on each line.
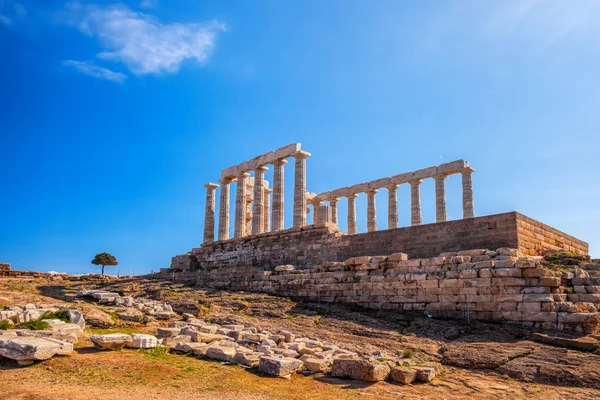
103 270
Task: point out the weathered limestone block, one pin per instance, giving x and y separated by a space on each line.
184 347
27 349
284 268
142 341
278 366
111 341
246 357
360 369
221 352
316 364
398 257
76 317
167 332
425 374
403 375
131 314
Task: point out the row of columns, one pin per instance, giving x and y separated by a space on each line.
261 212
415 203
261 205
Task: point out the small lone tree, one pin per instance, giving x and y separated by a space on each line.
104 259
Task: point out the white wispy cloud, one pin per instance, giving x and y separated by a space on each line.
11 11
95 71
147 3
142 42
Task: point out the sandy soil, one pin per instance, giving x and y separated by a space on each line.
482 362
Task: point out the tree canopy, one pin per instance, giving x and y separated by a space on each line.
105 259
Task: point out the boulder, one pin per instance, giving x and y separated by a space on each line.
142 341
98 319
75 317
278 366
207 337
403 375
112 341
131 314
246 357
284 268
27 349
189 347
316 364
167 332
360 369
221 353
425 374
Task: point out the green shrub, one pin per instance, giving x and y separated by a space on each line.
408 353
4 325
34 325
61 315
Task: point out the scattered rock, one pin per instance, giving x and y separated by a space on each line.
98 319
278 366
403 375
111 341
360 369
142 341
27 349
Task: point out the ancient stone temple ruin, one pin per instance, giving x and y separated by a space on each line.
489 267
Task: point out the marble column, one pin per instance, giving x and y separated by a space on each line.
209 213
224 209
334 212
258 207
240 206
351 213
415 202
440 198
267 210
371 211
392 206
467 186
278 195
300 188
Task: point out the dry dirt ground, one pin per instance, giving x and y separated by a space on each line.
482 361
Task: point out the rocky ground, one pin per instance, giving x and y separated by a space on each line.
481 360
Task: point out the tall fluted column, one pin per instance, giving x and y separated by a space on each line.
352 213
334 212
267 210
392 206
209 213
440 198
240 205
371 211
467 186
415 202
224 209
278 196
300 188
258 222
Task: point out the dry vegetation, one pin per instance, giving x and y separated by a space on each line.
150 374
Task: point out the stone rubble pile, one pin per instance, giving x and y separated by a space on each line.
277 354
27 346
137 307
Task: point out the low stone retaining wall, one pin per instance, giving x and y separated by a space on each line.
309 246
477 284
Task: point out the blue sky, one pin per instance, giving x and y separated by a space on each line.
114 115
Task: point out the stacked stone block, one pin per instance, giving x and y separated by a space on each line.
480 284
